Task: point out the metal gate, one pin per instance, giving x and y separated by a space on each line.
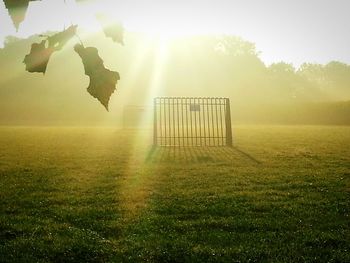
181 121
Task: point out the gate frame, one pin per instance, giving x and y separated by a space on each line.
227 117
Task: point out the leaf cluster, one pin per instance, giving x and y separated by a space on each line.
102 80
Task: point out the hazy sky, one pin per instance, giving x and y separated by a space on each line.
294 31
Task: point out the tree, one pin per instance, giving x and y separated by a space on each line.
332 79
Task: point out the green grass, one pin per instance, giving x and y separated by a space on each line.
282 194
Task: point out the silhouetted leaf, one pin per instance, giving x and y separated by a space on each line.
111 28
17 10
102 80
58 40
38 58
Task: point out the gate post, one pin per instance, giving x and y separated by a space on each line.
228 124
155 123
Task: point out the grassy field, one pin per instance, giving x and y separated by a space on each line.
282 194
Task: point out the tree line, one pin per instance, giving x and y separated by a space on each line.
222 66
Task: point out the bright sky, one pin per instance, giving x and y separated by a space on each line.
294 31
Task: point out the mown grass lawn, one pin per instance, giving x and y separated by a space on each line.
282 194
